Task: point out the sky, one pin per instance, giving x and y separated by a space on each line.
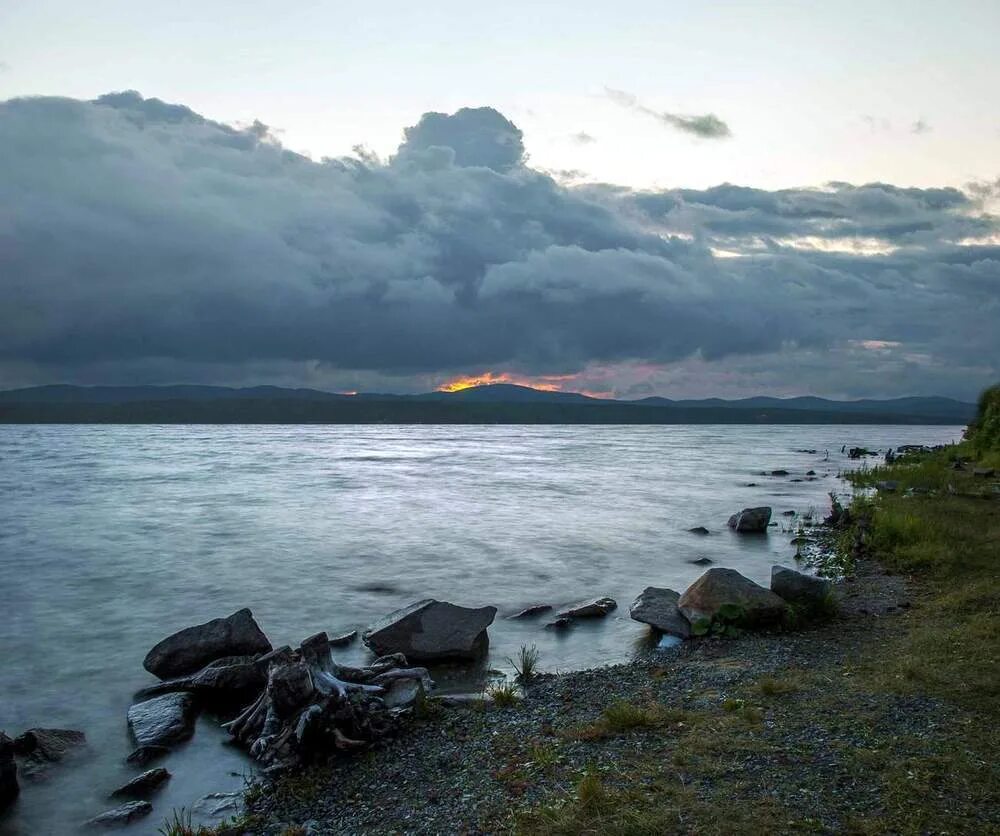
711 199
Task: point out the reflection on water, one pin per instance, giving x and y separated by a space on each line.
111 537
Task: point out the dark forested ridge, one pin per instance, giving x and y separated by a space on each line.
495 404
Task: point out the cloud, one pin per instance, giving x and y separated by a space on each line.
141 241
705 126
583 138
920 127
4 67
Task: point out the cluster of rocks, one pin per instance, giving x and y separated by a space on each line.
30 755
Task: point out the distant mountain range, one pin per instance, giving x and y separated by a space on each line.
500 403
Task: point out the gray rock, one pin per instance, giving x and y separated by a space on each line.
779 472
403 692
797 588
699 529
718 588
144 754
657 607
701 561
594 608
142 785
216 807
559 624
227 680
429 630
788 513
8 772
162 720
40 748
343 640
534 609
122 816
751 520
189 650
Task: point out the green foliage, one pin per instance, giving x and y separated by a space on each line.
504 694
526 665
984 432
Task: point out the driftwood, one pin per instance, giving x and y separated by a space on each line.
312 705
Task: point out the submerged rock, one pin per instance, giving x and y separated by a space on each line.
40 748
192 648
142 785
798 588
162 720
699 529
749 605
701 561
429 630
145 754
751 520
121 816
534 609
594 608
215 808
657 607
779 472
8 772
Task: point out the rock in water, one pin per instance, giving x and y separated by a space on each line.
699 529
657 607
429 630
121 816
162 720
40 748
754 606
144 754
8 772
533 610
594 608
403 692
797 588
142 785
190 649
751 520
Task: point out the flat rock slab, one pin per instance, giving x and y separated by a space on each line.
143 785
594 608
122 816
190 649
216 807
719 588
798 588
344 639
751 520
429 630
657 607
162 720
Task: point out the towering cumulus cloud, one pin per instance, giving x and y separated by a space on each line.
142 241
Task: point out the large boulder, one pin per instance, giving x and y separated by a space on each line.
797 588
8 772
190 649
594 608
657 607
740 600
751 520
162 720
430 630
122 816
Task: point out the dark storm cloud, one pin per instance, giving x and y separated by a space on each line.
140 241
705 126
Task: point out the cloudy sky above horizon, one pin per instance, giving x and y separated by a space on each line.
733 199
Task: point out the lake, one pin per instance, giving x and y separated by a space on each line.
112 537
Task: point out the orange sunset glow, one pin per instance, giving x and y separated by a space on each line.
547 383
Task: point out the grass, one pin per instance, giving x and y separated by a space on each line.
526 665
504 694
719 770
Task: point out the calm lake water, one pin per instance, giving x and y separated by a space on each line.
113 536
